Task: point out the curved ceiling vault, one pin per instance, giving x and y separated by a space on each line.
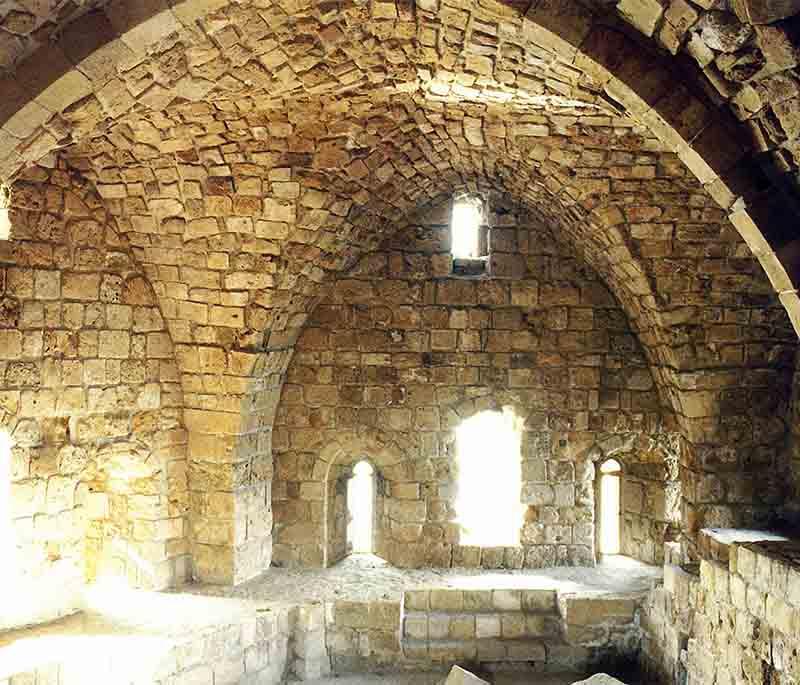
79 65
348 115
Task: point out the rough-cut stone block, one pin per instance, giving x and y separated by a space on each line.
600 679
643 14
765 11
460 676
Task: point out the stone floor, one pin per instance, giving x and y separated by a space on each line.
437 678
367 577
124 630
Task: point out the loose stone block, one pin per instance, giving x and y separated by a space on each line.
600 679
460 676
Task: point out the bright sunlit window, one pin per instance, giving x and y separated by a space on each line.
7 547
609 505
5 225
489 479
360 509
465 228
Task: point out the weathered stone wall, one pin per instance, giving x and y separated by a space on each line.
339 515
90 396
400 352
217 641
542 630
734 623
791 462
239 208
651 496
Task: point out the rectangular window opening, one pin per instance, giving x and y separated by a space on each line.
469 236
488 501
5 225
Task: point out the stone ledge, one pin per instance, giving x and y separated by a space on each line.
714 543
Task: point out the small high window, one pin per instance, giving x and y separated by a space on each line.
469 242
361 509
488 503
608 505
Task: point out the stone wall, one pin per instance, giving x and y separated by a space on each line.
90 396
734 622
217 641
400 352
791 461
540 630
651 496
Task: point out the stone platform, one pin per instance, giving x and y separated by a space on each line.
366 577
146 637
361 616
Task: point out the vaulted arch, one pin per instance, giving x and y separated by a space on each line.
248 153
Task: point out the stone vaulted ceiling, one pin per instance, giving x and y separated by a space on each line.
247 150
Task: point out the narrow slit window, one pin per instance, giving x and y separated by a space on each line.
361 509
468 238
488 503
609 505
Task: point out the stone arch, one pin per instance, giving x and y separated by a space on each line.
310 543
576 37
524 393
83 62
92 399
651 489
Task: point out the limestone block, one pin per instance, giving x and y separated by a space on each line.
764 11
600 679
588 611
507 600
10 344
416 627
351 614
189 11
27 119
416 600
539 600
446 600
643 14
438 627
384 615
141 25
487 626
722 32
460 676
65 90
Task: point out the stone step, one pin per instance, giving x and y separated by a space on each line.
452 600
508 625
545 655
